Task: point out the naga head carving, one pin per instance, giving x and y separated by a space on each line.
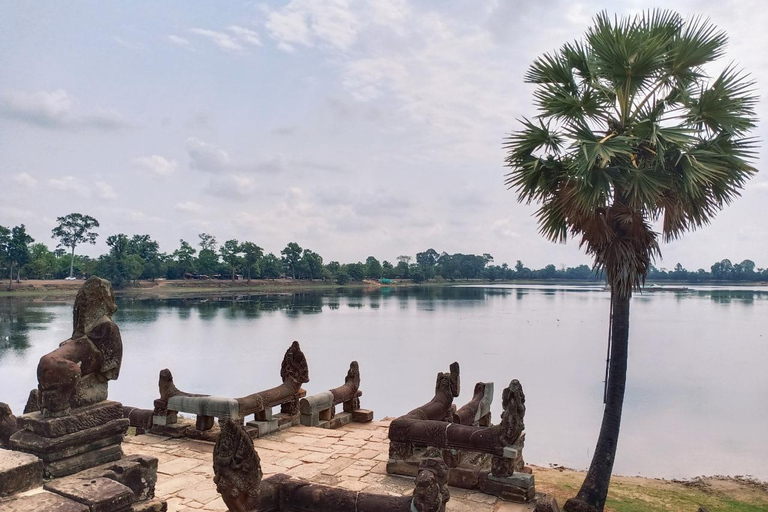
95 299
353 375
294 365
236 467
449 382
431 491
513 413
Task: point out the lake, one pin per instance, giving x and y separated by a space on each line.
697 389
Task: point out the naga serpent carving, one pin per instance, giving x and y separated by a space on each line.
238 478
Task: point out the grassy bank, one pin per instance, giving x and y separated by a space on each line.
638 494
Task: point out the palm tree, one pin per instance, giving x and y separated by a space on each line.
632 133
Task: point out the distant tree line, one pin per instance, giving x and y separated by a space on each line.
139 257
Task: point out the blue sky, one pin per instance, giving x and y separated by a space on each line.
353 128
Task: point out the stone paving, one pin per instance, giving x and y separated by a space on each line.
353 457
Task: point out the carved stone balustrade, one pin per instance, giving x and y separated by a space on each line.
320 410
238 478
499 447
294 372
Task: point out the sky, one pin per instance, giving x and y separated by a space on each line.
354 128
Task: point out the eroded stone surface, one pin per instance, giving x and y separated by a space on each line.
19 472
76 373
42 502
79 419
98 494
56 448
71 465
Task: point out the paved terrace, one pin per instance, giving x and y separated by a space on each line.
353 457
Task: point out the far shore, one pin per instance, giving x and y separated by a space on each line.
161 288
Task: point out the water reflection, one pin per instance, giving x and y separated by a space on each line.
17 319
427 298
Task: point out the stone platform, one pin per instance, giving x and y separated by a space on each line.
87 437
353 457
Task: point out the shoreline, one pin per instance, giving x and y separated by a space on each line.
161 289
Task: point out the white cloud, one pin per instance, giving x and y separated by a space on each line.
244 34
131 45
105 190
231 186
189 207
179 41
56 110
506 228
314 22
69 184
25 180
156 164
761 186
236 41
206 157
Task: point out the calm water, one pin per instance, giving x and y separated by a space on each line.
697 394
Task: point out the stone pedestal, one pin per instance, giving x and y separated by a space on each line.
19 472
88 437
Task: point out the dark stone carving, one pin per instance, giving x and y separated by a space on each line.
32 402
238 478
76 373
294 372
320 410
409 435
8 424
477 412
140 419
447 388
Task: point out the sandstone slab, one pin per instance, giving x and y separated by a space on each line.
19 472
56 448
42 502
98 494
70 465
79 419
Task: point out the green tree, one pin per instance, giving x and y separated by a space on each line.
144 246
252 256
631 130
42 262
313 264
427 258
271 267
75 229
292 257
207 262
373 268
119 266
355 271
185 257
231 254
18 251
207 242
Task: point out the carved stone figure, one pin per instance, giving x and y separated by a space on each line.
236 468
76 373
447 387
8 425
238 478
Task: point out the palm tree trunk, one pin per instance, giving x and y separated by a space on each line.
72 263
594 490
